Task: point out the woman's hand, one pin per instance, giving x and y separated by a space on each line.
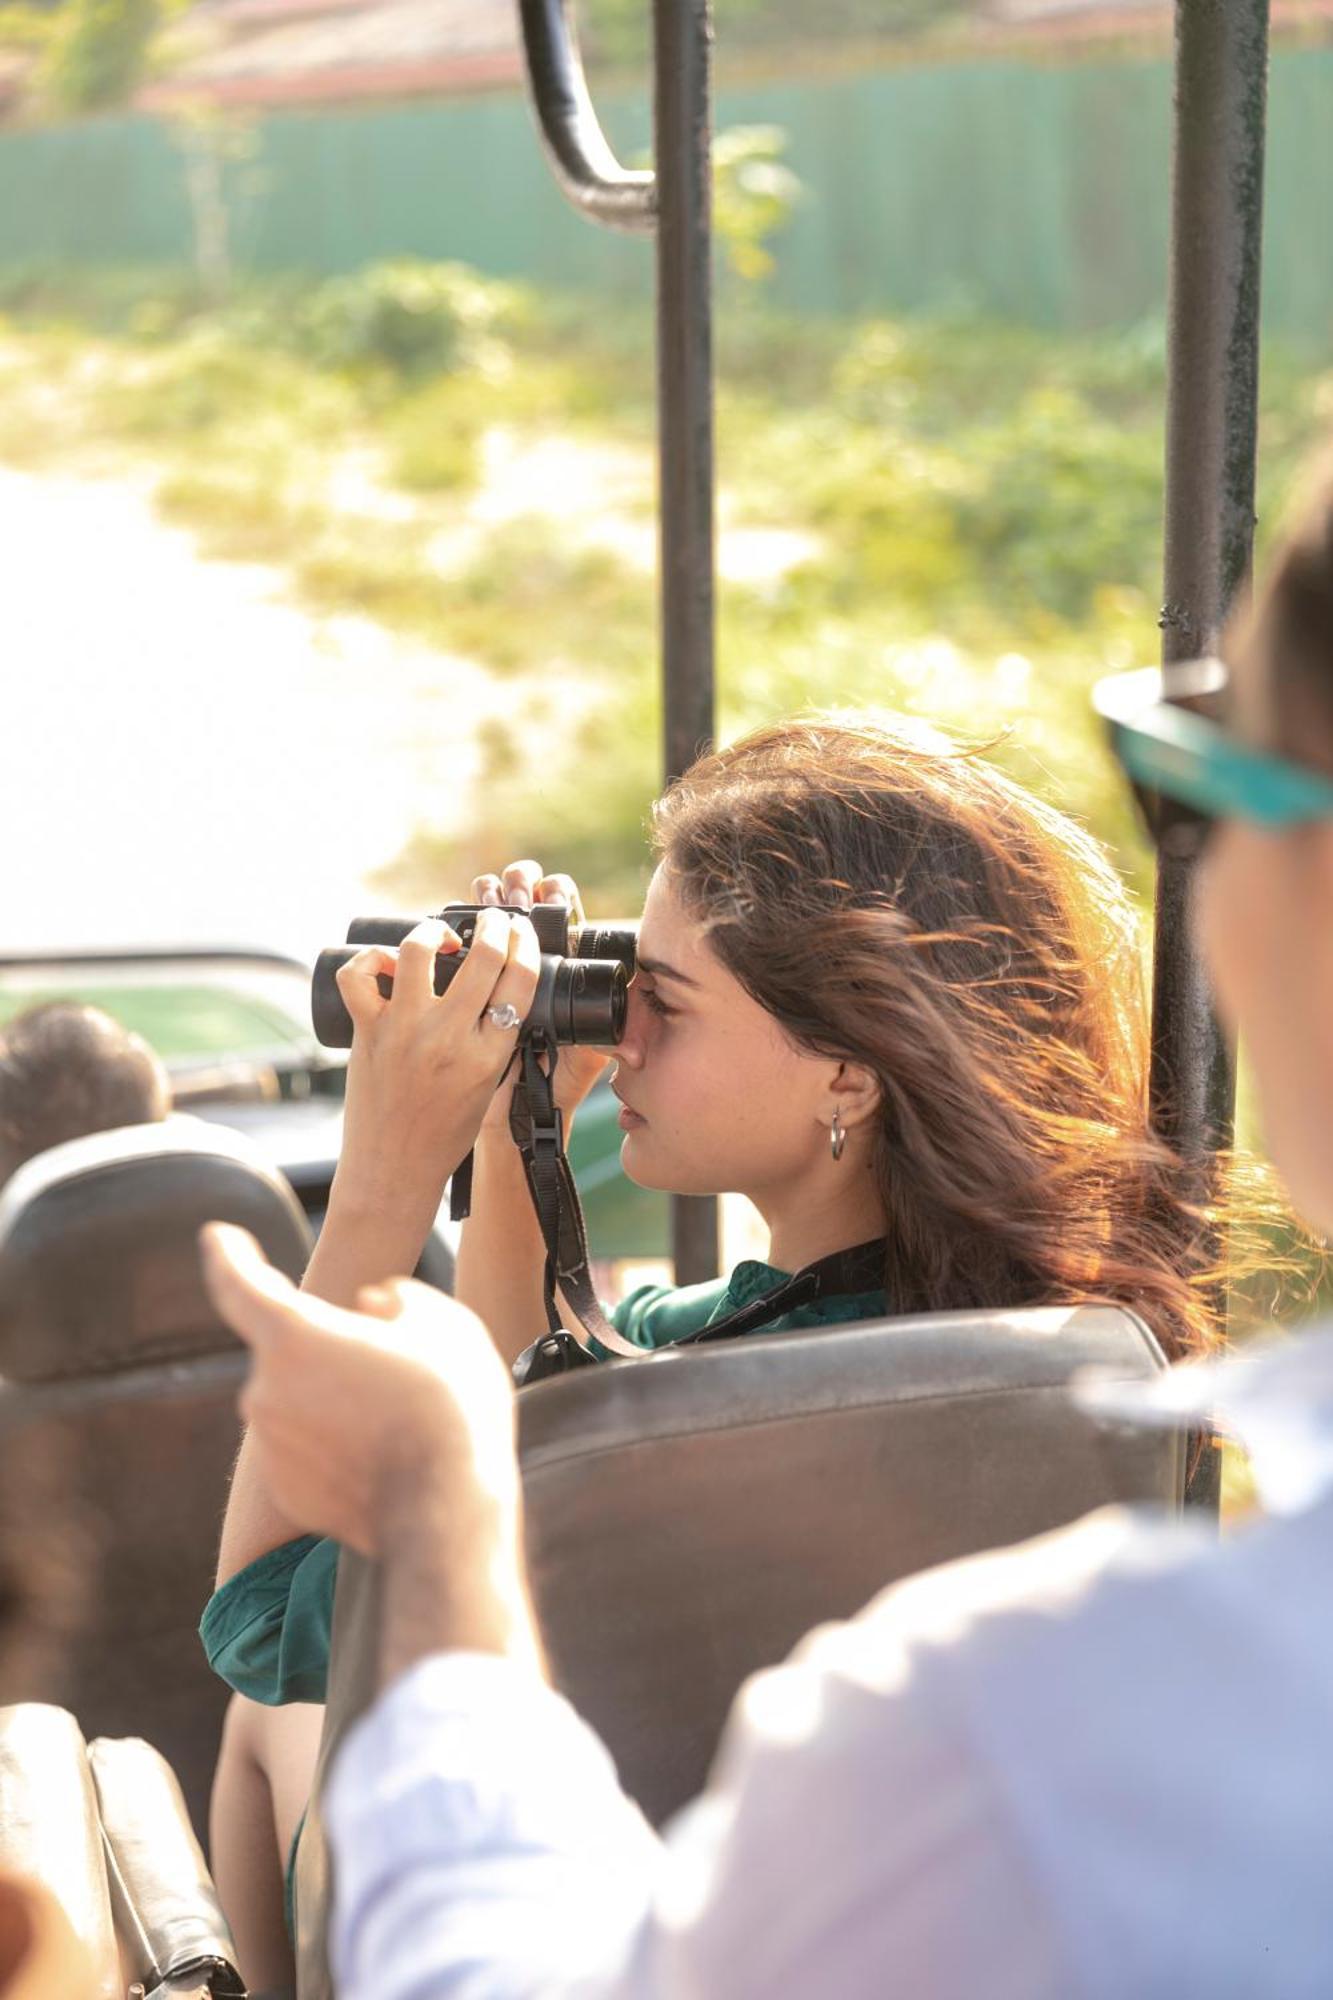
522 885
425 1066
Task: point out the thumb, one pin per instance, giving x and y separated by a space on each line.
256 1301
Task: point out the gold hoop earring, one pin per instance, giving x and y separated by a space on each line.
837 1136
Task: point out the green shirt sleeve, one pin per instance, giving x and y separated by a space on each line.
659 1315
266 1631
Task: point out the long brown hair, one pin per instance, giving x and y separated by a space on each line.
902 904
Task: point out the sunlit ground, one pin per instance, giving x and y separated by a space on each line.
962 521
190 756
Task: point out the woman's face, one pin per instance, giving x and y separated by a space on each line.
717 1099
1266 915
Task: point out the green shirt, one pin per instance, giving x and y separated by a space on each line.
659 1315
266 1631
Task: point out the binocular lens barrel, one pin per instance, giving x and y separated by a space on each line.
557 933
380 930
618 941
590 1000
577 999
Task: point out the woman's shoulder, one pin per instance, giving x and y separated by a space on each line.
842 1309
660 1315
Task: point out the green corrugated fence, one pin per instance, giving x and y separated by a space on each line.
1034 193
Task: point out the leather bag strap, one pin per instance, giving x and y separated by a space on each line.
537 1127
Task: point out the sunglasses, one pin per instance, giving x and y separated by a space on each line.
1186 771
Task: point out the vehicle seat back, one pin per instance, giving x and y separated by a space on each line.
691 1517
102 1828
689 1520
114 1362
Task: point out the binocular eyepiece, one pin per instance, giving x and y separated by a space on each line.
582 988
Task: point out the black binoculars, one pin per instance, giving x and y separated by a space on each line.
582 989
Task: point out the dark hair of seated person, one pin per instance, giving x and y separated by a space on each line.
66 1070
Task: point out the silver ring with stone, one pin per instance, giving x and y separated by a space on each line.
507 1016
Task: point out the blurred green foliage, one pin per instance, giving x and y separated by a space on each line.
26 29
956 519
754 194
415 319
98 53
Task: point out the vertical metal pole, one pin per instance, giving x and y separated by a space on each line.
1212 414
683 33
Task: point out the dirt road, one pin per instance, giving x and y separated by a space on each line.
186 755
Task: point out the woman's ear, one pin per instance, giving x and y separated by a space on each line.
855 1094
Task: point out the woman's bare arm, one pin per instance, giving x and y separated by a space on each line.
501 1258
423 1072
358 1246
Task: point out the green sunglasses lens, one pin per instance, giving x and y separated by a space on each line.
1174 825
1186 770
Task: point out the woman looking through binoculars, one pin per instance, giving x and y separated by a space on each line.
881 990
886 994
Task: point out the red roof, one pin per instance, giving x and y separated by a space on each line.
297 51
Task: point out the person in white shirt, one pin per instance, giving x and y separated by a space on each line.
1097 1765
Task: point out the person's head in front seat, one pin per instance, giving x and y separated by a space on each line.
66 1070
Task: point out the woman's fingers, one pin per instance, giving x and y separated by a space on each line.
561 889
358 983
517 981
499 969
501 936
519 883
414 978
522 884
514 887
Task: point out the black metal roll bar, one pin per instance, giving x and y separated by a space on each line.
676 203
588 171
1221 88
1212 402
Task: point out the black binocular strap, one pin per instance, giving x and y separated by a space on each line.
841 1275
460 1190
536 1125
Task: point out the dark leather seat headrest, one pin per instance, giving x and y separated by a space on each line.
99 1265
826 1372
